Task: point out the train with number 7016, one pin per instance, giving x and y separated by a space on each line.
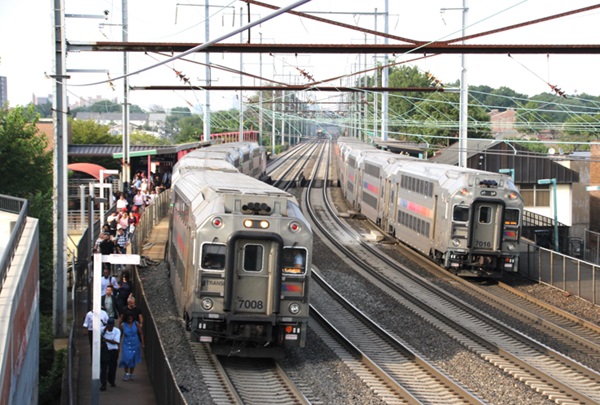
239 253
466 220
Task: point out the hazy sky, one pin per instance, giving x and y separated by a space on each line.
26 49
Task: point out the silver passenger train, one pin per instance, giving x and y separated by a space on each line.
239 253
466 220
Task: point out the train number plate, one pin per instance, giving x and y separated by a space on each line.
250 304
483 244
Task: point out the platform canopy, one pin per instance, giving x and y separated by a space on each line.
89 168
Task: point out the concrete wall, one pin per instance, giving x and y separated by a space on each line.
19 321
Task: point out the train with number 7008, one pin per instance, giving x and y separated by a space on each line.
466 220
239 253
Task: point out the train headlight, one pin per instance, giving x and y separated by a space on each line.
456 242
294 308
295 227
217 222
249 223
512 195
464 191
207 304
510 246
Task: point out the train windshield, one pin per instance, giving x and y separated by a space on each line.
461 213
511 217
294 261
213 256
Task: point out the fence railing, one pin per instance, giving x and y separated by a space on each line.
16 206
578 277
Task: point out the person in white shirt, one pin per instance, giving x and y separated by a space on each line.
106 280
110 345
88 324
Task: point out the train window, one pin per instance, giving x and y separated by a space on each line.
294 261
511 217
253 257
213 256
485 215
461 213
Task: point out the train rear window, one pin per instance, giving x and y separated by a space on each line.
461 214
485 215
511 217
213 256
253 257
294 261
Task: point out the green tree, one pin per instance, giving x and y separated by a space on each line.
439 115
44 110
89 132
22 154
190 129
172 121
26 165
144 138
500 98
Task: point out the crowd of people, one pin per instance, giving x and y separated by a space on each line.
121 331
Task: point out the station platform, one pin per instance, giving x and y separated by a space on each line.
137 392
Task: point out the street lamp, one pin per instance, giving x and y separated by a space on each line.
553 182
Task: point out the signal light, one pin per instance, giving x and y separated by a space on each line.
217 222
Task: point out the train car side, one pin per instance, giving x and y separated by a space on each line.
468 221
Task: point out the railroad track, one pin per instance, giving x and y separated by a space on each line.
556 376
396 373
245 381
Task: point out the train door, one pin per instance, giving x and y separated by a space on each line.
254 277
486 226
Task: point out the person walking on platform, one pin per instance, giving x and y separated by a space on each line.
88 324
109 303
133 343
109 354
124 291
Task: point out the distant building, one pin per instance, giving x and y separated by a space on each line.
502 123
42 100
3 91
148 122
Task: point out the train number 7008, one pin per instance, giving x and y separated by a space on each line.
250 304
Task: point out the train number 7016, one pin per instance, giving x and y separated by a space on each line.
483 244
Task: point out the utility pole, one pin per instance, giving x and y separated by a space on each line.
206 123
464 98
126 140
384 79
59 200
241 137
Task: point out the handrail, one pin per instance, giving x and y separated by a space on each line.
16 206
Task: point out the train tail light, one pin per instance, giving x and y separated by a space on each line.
295 227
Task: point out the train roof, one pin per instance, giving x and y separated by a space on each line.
199 188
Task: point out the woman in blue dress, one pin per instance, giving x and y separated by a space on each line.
131 348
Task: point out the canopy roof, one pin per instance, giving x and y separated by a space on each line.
89 168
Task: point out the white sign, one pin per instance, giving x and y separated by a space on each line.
592 188
121 259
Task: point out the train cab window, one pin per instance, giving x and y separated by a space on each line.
253 258
511 217
294 261
461 213
213 256
485 215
